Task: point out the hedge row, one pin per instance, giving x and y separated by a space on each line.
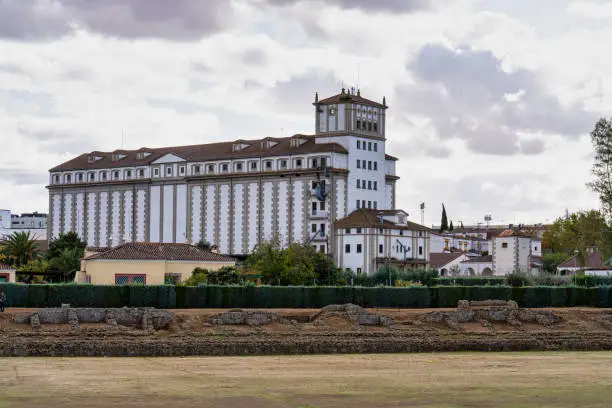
470 281
212 296
587 280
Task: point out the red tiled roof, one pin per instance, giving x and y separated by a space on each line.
202 152
366 218
146 251
389 157
592 260
439 259
345 97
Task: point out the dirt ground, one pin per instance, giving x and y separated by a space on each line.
441 380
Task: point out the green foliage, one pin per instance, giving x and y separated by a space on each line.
551 280
36 266
444 220
388 275
516 279
199 276
69 240
227 275
20 248
68 261
205 245
470 281
551 261
581 279
601 139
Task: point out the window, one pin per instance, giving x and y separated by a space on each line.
363 184
323 162
365 126
283 164
172 278
314 208
298 162
238 166
68 178
369 184
358 203
322 205
375 185
363 164
224 167
168 171
363 204
535 248
141 173
370 143
92 176
380 248
358 128
358 248
347 248
358 183
128 174
182 171
369 164
314 162
369 204
375 205
376 130
253 165
268 165
369 128
56 179
126 279
358 164
380 230
196 169
358 143
504 245
313 228
104 174
359 230
211 168
116 175
376 166
323 229
347 230
80 176
375 144
401 232
322 249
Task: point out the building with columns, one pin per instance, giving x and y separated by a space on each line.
234 194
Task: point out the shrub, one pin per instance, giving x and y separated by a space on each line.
551 280
516 279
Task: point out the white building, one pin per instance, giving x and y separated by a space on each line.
446 242
447 263
5 219
234 194
514 251
34 223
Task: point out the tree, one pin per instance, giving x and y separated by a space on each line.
269 260
551 261
205 245
444 222
68 262
574 234
21 248
601 138
69 240
451 227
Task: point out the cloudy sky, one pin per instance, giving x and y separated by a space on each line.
491 101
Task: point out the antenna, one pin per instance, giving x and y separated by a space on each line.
358 75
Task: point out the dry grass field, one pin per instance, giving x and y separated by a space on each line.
408 380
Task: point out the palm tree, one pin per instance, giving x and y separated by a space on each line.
21 248
68 262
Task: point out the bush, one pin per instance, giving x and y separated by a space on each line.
551 280
470 281
516 279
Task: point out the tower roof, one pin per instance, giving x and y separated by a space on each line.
347 97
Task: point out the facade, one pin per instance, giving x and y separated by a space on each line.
368 239
29 221
233 194
513 252
478 266
34 223
447 263
592 264
147 263
446 242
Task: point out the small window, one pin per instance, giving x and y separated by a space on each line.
322 249
504 245
375 205
314 162
347 230
401 232
375 185
322 229
283 164
380 248
363 184
358 183
359 145
375 144
92 176
116 175
156 172
369 184
370 143
169 171
358 204
253 165
268 165
128 173
376 166
314 208
196 169
323 162
420 250
104 174
224 167
358 164
322 205
369 205
376 130
358 248
365 126
141 173
369 164
80 176
313 228
298 162
347 248
182 171
211 168
238 166
363 203
535 248
358 128
369 130
363 164
68 178
359 230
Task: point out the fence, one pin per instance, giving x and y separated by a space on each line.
213 296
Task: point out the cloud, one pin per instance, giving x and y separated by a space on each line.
391 6
254 56
174 20
295 93
466 94
24 177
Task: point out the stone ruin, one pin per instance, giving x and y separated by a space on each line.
353 313
249 318
487 311
144 318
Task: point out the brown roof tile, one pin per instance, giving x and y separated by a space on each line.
438 259
366 218
592 260
202 152
147 251
351 98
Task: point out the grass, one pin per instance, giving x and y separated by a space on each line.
446 380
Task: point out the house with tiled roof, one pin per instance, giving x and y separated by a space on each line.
147 263
447 263
7 273
516 250
592 263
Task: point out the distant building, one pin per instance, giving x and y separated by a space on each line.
447 263
35 223
7 274
514 251
592 264
29 221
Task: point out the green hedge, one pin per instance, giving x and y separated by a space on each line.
470 281
217 296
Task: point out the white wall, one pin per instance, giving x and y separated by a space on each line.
5 219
